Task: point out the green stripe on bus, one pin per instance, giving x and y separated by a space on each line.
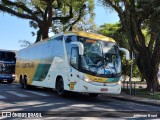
42 69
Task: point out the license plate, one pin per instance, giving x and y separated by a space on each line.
104 89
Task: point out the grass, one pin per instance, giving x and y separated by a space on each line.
143 93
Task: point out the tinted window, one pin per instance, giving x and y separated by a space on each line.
58 48
68 40
7 56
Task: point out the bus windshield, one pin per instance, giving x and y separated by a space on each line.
100 57
7 62
7 56
7 68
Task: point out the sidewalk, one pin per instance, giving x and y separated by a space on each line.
131 98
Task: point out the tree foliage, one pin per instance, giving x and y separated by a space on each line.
135 15
24 43
116 32
43 12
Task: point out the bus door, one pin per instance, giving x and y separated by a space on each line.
74 73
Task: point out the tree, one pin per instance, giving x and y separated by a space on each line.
116 32
85 23
42 12
24 43
135 15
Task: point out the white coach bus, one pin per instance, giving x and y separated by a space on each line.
72 61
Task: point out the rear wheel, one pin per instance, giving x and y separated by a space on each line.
23 82
93 95
60 87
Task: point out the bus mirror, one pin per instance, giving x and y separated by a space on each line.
80 47
126 53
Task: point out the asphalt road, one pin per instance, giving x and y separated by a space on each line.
47 103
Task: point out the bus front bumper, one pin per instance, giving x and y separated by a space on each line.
92 87
7 78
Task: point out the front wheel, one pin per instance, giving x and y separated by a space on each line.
60 87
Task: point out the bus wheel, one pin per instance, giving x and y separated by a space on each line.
24 83
60 87
93 95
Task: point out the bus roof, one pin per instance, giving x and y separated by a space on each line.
92 35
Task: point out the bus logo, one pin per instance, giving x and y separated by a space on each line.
72 85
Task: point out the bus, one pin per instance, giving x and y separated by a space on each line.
72 61
7 66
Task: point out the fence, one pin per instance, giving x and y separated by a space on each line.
139 89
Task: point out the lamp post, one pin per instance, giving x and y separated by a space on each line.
131 74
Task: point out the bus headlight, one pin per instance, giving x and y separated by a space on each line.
85 78
120 80
13 75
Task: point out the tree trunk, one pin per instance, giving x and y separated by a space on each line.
149 85
149 70
143 67
154 73
42 33
142 79
45 33
39 35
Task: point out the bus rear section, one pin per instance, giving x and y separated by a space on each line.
7 66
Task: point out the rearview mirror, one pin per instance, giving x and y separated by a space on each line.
126 53
80 47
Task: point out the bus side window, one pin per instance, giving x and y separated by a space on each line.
74 57
68 40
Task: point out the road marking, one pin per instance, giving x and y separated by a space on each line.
2 97
38 93
17 94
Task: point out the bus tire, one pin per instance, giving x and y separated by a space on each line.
94 95
60 87
24 83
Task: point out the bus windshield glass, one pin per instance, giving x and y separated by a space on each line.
7 56
100 57
7 62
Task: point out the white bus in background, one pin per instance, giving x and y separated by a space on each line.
73 61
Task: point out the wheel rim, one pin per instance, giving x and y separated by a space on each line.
60 87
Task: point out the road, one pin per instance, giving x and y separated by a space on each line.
46 101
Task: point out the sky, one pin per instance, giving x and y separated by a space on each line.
13 29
